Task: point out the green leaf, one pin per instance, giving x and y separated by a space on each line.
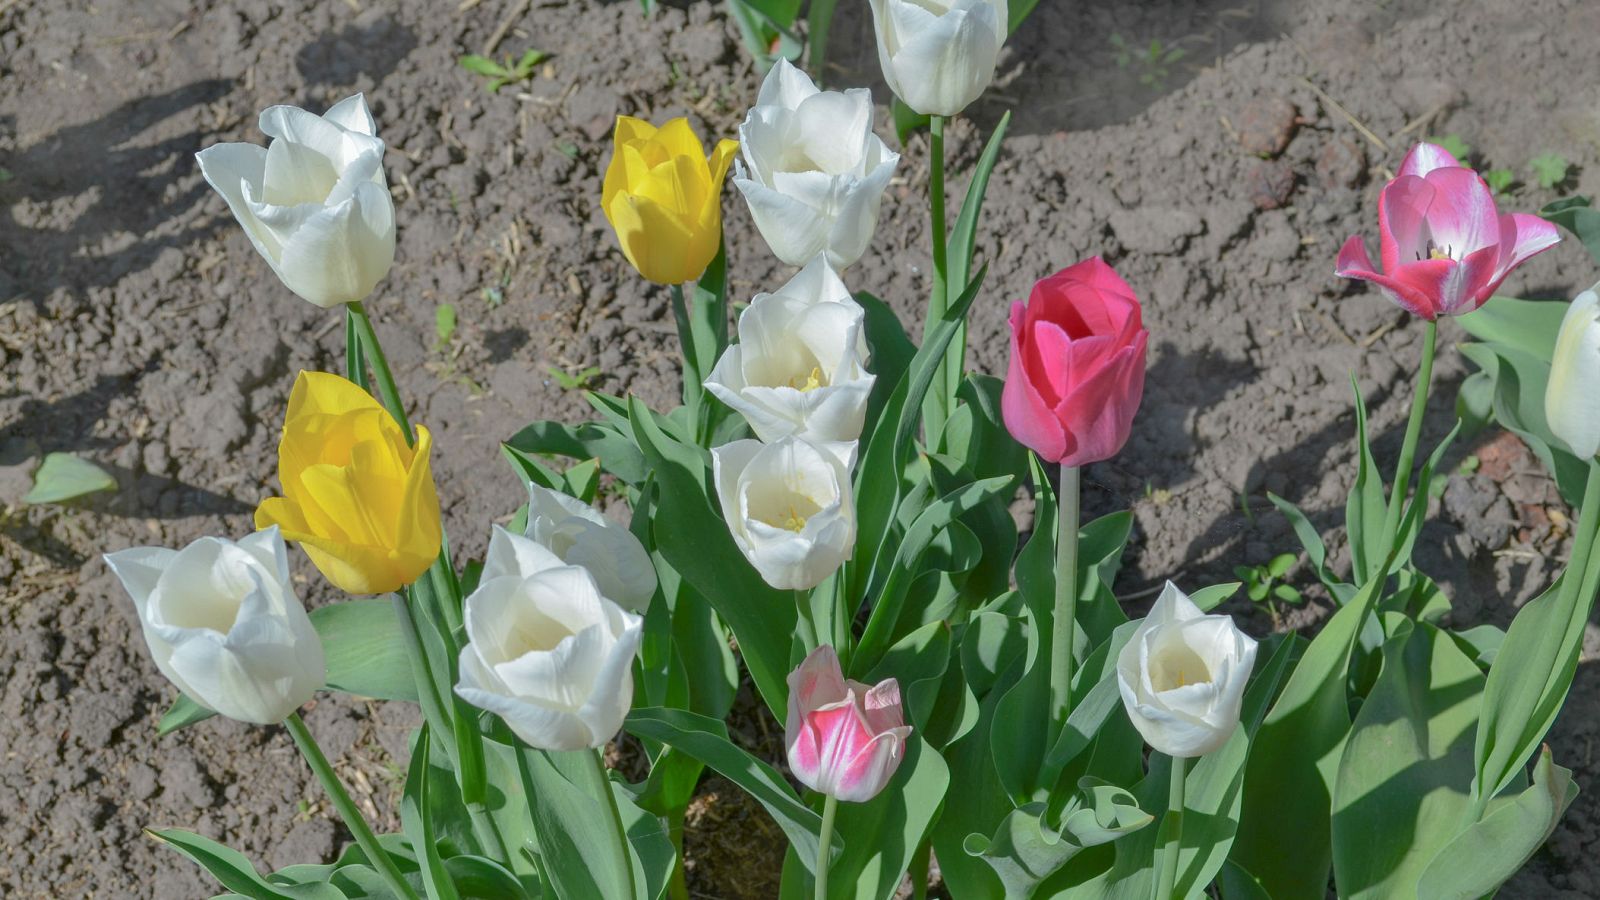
1453 144
1499 180
63 476
1209 598
1574 214
1549 169
482 65
419 827
614 448
964 233
1025 851
365 649
444 323
1366 507
583 853
1527 325
183 713
1520 380
236 873
906 119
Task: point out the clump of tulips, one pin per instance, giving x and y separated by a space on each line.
831 500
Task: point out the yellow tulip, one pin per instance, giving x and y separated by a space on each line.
360 501
663 197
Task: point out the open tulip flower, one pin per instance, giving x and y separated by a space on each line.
939 55
579 535
1077 365
360 501
314 201
789 507
224 625
1445 247
800 364
663 197
813 171
845 739
546 651
1572 398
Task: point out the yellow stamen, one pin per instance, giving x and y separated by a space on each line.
794 521
812 382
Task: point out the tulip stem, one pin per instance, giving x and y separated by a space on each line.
596 756
1408 449
830 808
938 405
373 351
1063 632
376 855
1173 829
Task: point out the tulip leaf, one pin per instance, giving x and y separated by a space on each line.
964 233
63 476
892 350
419 825
582 851
1366 508
1520 380
613 447
1025 850
183 713
1209 598
235 871
1527 325
365 649
1575 215
706 739
1316 550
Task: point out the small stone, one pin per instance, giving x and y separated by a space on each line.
1269 183
1266 125
1341 165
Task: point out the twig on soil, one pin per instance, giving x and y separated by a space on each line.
518 7
1420 121
1337 107
1379 332
1333 326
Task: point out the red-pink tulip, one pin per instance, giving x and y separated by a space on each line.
1077 365
1445 246
845 739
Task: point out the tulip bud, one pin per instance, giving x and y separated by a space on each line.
1077 365
939 55
1446 248
1572 399
799 366
1182 676
357 497
545 650
789 507
224 625
579 535
813 172
314 202
663 198
845 739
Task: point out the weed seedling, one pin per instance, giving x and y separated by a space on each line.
499 75
575 381
1262 584
1549 170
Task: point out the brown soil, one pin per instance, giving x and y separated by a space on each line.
141 330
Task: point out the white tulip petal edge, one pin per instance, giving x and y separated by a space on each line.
789 507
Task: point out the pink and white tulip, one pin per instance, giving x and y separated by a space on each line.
1445 247
845 739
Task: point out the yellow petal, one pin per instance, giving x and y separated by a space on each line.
678 139
280 512
420 534
354 569
630 129
655 241
322 392
721 159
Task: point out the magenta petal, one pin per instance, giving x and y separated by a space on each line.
1522 236
1353 259
1425 157
1404 221
1026 414
1462 218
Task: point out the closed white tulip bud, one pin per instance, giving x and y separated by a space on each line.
314 202
789 507
800 365
224 625
939 55
580 536
1182 676
545 650
812 170
1572 399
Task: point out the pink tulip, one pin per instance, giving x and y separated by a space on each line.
1077 365
845 739
1445 246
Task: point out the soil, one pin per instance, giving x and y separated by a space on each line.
141 330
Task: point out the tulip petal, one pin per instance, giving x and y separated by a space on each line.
1523 236
786 85
237 171
352 114
793 230
1462 217
538 726
1572 399
1403 229
1425 157
1029 418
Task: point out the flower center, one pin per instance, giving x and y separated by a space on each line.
794 514
811 382
1434 252
1178 667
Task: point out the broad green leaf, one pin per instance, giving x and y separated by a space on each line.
481 878
63 476
1366 508
1574 214
1025 850
236 873
1316 551
584 853
181 714
365 649
1526 325
1518 404
1209 598
615 449
419 827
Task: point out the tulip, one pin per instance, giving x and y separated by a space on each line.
1572 399
845 739
1182 676
224 625
663 198
545 650
314 202
360 501
789 507
813 171
799 366
939 55
1445 246
579 535
1077 365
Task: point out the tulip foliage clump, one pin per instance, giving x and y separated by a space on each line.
826 514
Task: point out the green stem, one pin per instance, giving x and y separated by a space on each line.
830 808
938 407
595 757
678 886
919 871
1408 449
805 624
433 709
1064 626
1173 831
373 351
353 819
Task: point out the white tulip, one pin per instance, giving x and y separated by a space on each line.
813 171
1572 399
314 202
224 625
579 535
1182 676
800 365
939 55
545 650
789 507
